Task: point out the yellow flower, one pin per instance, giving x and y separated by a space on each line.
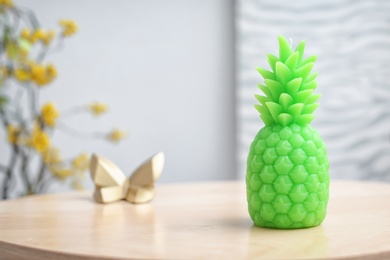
97 108
38 74
81 162
51 71
38 35
49 114
39 140
13 134
61 173
52 156
25 34
22 74
116 135
42 75
7 3
48 37
69 27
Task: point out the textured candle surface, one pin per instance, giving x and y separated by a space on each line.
287 167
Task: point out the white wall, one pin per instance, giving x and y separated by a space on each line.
166 70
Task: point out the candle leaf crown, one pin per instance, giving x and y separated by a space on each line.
289 87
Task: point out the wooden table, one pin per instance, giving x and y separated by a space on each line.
192 221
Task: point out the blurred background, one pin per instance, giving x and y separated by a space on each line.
180 77
165 68
352 41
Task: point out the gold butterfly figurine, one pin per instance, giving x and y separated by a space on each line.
112 185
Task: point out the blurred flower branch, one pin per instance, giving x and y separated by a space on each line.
24 72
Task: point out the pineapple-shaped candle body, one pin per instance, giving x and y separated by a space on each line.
287 176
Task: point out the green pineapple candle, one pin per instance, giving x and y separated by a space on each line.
287 177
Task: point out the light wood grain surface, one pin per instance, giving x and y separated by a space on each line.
192 221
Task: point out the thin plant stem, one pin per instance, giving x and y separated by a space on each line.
77 134
13 159
27 15
45 184
18 98
10 170
49 51
73 111
42 54
41 175
24 171
33 96
59 47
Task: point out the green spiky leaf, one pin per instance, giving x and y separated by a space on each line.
283 73
267 119
262 110
285 119
266 74
275 110
305 119
292 61
264 114
313 98
275 88
284 48
288 87
309 85
285 100
308 60
303 96
272 59
308 109
265 90
300 49
293 86
304 71
296 109
262 99
311 76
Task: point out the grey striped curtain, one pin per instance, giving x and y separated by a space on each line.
352 41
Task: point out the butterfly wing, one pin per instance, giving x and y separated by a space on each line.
109 194
109 180
141 182
140 194
149 171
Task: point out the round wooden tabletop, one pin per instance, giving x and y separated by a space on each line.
196 221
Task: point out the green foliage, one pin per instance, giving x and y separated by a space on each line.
3 100
288 87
